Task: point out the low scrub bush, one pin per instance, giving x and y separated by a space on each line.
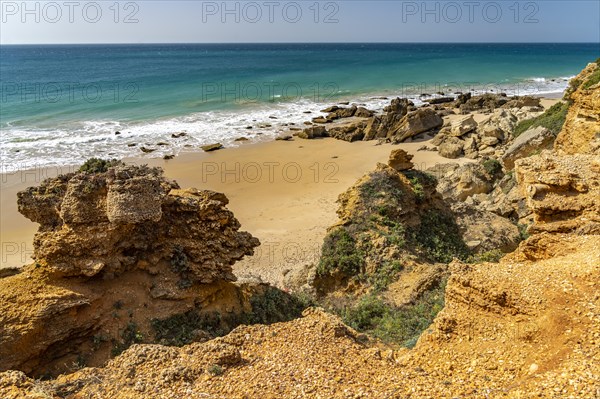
393 325
553 119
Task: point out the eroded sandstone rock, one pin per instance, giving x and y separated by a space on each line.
400 160
581 131
112 238
108 222
566 196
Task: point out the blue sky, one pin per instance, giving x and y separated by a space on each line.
156 21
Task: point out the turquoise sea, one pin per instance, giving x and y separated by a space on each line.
61 104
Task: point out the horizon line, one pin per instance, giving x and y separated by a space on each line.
299 42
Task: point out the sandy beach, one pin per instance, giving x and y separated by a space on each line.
283 192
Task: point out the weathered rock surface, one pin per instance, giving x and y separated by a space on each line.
563 192
212 147
501 119
116 249
485 102
524 101
400 160
528 143
485 231
505 200
379 126
414 123
313 132
451 148
458 182
362 112
581 131
460 127
106 223
348 132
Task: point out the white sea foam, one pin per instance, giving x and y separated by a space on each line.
26 148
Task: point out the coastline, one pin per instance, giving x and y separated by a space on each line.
174 136
283 192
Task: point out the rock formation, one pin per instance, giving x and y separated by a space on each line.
581 131
394 222
109 222
532 141
400 160
566 196
397 124
124 256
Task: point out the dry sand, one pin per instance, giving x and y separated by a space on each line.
283 192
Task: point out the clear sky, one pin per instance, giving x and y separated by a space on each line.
157 21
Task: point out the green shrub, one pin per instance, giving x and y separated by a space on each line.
553 119
593 79
180 329
493 167
380 186
438 235
385 274
215 369
417 189
523 234
418 181
366 314
393 325
339 253
276 306
98 340
393 232
97 165
492 256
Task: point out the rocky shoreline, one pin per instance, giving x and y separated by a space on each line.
465 279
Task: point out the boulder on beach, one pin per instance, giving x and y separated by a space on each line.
451 148
313 132
419 121
462 126
333 108
440 100
212 147
349 132
362 112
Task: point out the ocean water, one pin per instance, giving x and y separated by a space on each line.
61 104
